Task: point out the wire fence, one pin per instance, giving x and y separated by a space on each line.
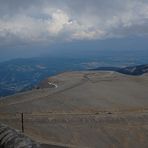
21 118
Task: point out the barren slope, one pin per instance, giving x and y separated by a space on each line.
84 109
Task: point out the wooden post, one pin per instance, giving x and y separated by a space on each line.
22 121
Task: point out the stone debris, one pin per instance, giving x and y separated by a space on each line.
10 138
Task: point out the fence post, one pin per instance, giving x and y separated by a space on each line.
22 121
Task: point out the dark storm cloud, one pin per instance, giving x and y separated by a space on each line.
47 21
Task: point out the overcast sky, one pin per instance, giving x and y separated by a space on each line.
34 25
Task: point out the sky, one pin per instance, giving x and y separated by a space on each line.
37 27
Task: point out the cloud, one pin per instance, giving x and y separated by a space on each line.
59 19
51 20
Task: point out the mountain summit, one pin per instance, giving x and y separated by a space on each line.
83 109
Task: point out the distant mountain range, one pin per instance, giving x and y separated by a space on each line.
131 70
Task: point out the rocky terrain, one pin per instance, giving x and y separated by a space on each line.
88 109
11 138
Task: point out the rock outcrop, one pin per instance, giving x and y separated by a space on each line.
10 138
